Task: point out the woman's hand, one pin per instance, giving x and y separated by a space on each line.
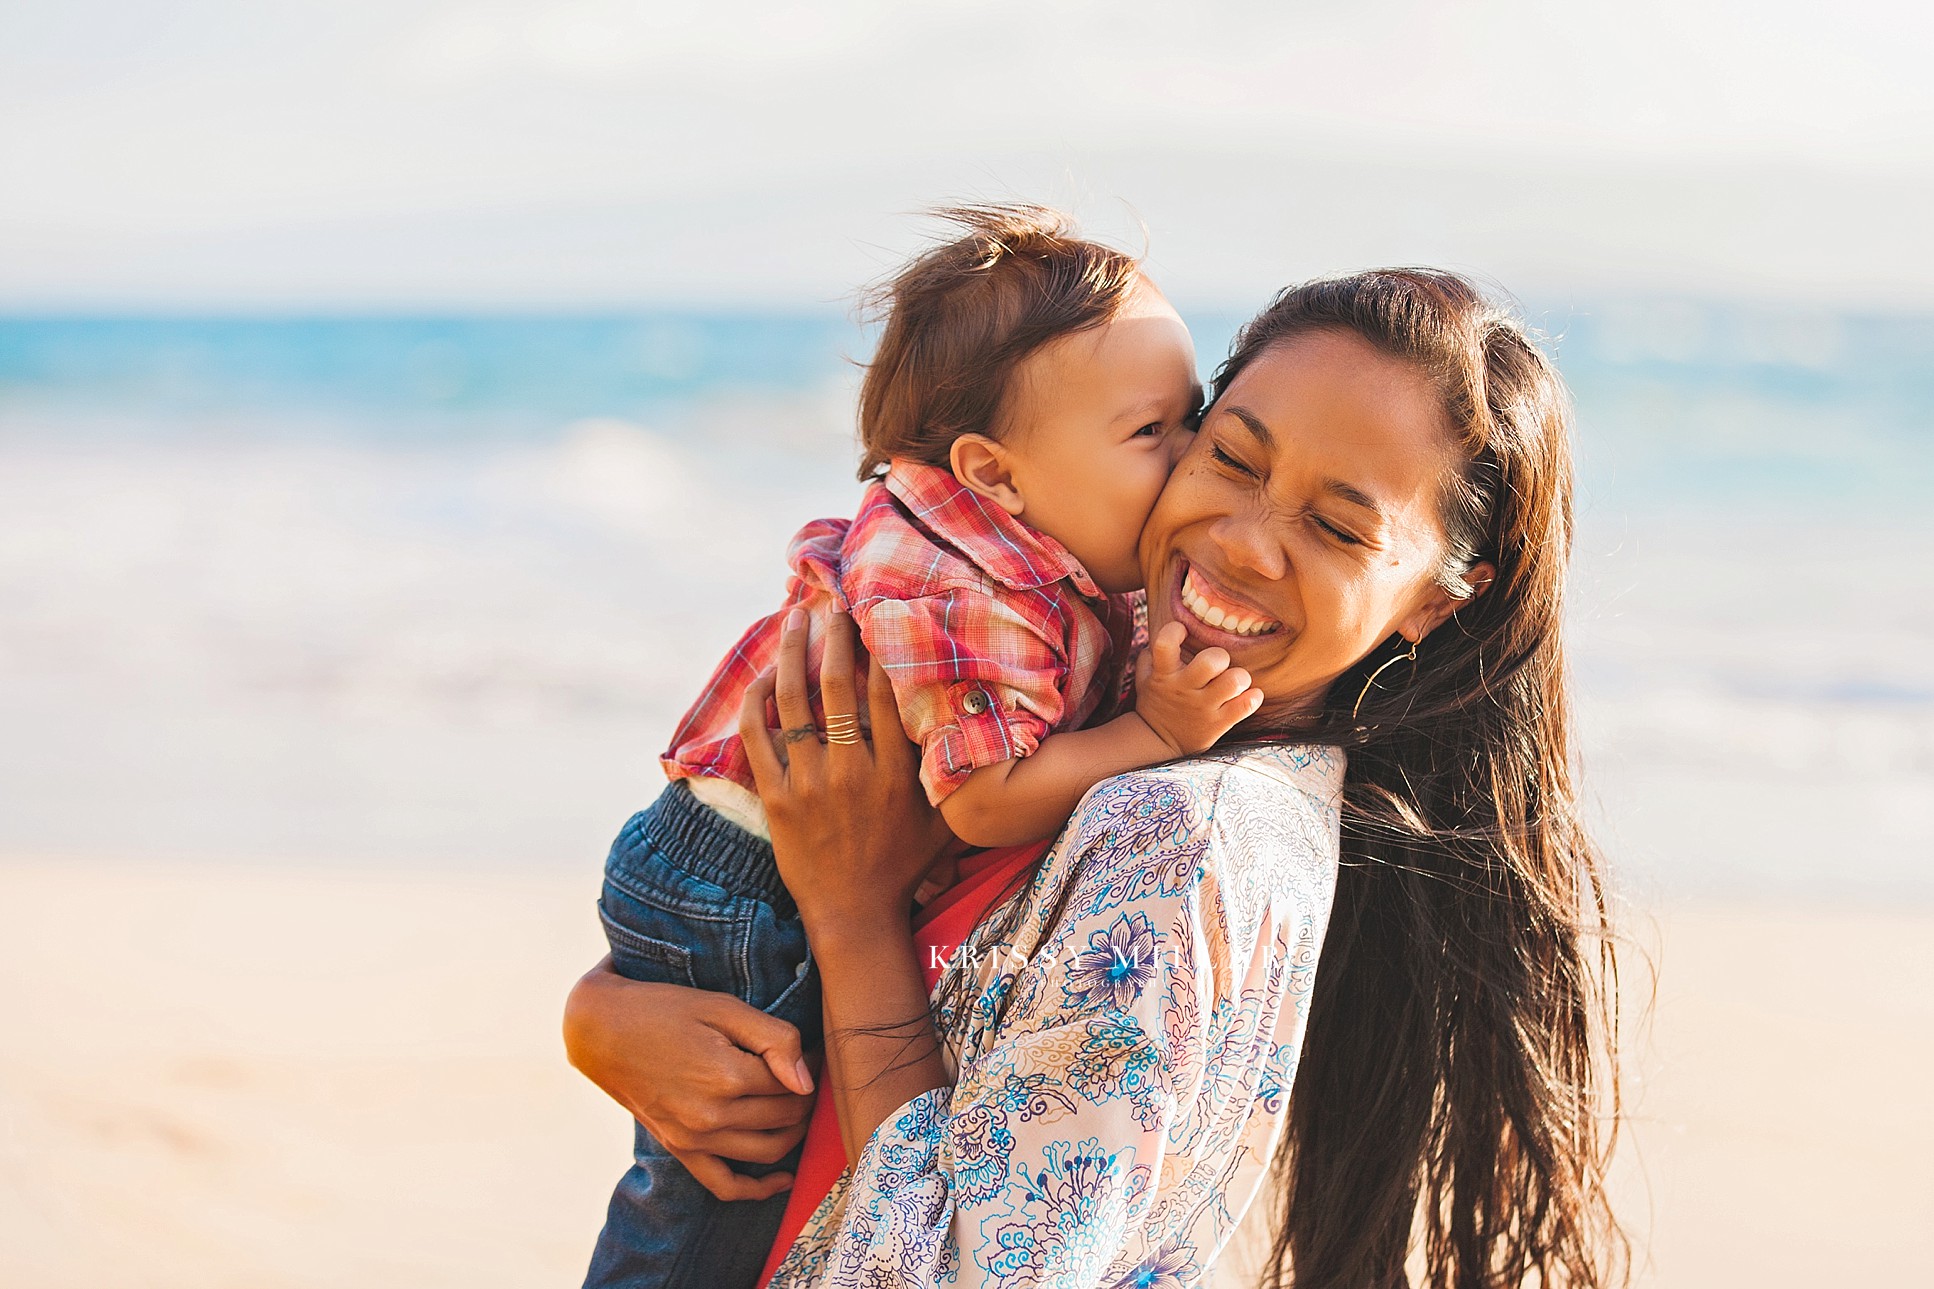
852 829
853 834
713 1079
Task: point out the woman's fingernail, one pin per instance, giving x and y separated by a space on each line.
805 1075
796 620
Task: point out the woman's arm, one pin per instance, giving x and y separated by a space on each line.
713 1078
853 834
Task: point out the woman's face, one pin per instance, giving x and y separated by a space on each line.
1301 528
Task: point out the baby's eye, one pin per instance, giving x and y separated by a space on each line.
1151 430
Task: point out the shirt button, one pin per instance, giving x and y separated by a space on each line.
799 972
974 702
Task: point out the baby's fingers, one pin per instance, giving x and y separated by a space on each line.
1240 708
1205 667
1226 686
1165 649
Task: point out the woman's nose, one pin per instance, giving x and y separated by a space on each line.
1246 542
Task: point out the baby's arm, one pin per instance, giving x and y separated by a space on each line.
1180 708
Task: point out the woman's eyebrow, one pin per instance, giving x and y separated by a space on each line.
1254 425
1352 494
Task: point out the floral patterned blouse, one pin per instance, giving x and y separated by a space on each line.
1123 1060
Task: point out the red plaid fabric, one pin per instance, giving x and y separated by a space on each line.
993 634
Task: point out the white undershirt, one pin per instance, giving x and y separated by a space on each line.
733 800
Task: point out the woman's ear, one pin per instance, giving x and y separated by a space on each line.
1441 604
985 467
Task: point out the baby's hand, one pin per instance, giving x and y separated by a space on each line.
1190 706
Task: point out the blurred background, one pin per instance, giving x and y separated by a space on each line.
403 405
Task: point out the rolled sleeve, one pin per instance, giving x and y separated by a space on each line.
977 681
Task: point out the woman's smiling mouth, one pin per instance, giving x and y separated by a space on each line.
1216 609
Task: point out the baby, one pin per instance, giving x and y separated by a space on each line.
1030 393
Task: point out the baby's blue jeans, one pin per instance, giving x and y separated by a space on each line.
690 898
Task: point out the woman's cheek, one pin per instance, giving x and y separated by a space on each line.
1190 490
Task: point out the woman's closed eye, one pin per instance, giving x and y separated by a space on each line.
1333 532
1228 462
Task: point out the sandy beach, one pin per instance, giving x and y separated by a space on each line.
225 1075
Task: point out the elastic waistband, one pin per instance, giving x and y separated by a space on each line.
711 847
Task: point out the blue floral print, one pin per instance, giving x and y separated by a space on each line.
1115 966
1126 1060
1172 1266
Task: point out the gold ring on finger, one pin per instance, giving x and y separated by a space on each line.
843 729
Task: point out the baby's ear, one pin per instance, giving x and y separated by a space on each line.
985 467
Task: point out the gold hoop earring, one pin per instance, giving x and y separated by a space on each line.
1402 657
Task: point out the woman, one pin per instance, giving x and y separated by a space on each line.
1383 479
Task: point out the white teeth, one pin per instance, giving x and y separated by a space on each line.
1218 618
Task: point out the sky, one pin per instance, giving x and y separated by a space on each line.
211 154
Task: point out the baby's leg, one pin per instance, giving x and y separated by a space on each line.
692 899
664 1229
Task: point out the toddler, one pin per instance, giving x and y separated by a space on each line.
1030 393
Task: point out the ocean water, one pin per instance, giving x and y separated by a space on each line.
432 590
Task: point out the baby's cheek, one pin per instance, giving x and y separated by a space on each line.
1149 495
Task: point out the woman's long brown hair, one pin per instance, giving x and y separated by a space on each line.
1457 1098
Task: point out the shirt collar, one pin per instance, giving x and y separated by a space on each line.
1001 546
1316 768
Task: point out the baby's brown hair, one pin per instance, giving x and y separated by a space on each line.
963 316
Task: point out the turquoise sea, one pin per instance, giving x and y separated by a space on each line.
431 589
1679 399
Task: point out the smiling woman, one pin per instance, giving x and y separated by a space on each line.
1392 479
1411 942
1303 527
